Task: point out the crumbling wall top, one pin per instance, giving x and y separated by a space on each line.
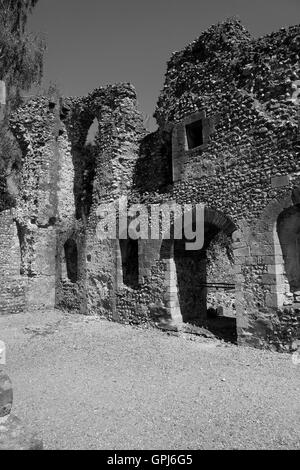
224 59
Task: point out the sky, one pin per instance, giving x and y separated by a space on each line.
92 43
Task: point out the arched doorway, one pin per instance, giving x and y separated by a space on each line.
201 288
288 230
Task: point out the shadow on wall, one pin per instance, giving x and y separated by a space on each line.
153 170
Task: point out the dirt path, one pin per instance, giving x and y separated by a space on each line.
89 384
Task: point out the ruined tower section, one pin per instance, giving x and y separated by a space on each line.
231 104
116 153
105 129
45 202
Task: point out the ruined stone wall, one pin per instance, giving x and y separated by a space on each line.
104 172
254 135
12 290
228 138
243 91
44 206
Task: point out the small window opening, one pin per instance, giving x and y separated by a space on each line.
194 134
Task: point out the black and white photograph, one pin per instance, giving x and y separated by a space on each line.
149 228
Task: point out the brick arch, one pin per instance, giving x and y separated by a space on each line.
220 220
290 198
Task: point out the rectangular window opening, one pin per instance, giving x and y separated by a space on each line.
194 134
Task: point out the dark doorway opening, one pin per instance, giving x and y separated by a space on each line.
130 262
71 256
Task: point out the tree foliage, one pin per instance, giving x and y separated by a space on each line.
21 66
20 9
21 53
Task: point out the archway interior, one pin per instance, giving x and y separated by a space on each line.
206 282
288 229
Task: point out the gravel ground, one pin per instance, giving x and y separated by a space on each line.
84 383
